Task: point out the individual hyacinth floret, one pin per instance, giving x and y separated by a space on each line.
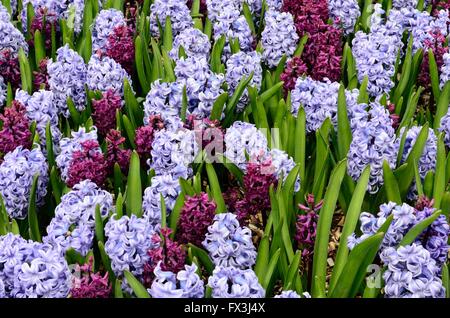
16 178
194 43
67 77
74 221
229 244
373 143
185 284
176 10
69 145
279 37
163 185
104 25
32 270
231 282
411 273
104 74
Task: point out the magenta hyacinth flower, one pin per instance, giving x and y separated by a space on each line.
197 214
87 163
9 68
146 134
15 131
115 152
90 284
120 47
306 225
105 111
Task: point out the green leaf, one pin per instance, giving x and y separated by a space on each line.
130 130
74 114
215 188
355 269
262 259
442 105
271 269
324 225
168 67
248 16
175 214
390 184
119 206
344 131
216 55
184 104
35 235
25 72
203 257
139 60
268 94
118 289
106 261
138 288
49 145
351 221
434 75
446 280
56 185
417 229
134 186
235 170
363 97
168 37
439 179
73 257
99 225
39 48
218 107
163 211
405 75
301 45
300 145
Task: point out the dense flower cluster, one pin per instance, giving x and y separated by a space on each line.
196 216
67 77
104 114
32 270
89 284
228 244
9 68
104 26
176 11
74 221
279 37
231 282
115 153
185 284
307 224
121 47
373 143
346 12
17 172
15 129
194 43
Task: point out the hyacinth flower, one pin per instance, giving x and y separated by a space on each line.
9 68
89 284
17 172
173 152
67 77
320 99
258 179
68 146
184 284
229 244
196 216
146 134
167 255
43 21
231 24
41 76
203 86
88 163
279 37
4 14
376 53
433 239
306 225
15 129
128 240
165 186
437 46
427 161
104 114
231 282
292 294
373 143
32 270
163 99
11 39
120 47
104 26
411 273
41 109
346 12
74 223
295 68
115 153
177 11
194 43
104 74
